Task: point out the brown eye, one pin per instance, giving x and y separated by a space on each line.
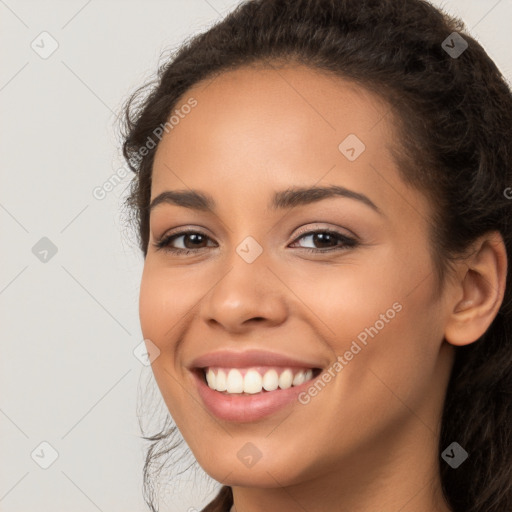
191 240
327 240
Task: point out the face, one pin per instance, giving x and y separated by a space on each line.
342 282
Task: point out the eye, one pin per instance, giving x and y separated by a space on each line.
194 241
334 240
195 238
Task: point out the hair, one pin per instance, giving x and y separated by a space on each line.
453 119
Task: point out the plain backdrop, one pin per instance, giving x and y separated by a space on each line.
70 269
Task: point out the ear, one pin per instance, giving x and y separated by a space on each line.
479 290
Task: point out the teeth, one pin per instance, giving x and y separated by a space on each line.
270 380
253 381
220 382
285 379
211 379
299 378
235 382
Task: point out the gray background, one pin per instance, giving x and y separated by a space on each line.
68 374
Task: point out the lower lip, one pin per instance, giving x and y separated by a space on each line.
246 408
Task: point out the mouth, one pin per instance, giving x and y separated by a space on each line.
254 384
254 380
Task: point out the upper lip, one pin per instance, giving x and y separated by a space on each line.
248 358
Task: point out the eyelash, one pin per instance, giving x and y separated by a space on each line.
348 242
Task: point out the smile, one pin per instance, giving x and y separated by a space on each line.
258 403
256 379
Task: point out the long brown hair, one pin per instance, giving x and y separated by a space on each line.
454 115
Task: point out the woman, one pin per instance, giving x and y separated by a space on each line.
323 199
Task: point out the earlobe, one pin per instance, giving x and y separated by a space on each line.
480 291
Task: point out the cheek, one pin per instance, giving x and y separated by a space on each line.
165 298
347 298
381 317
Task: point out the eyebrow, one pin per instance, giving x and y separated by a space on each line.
285 199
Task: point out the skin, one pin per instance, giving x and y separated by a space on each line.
369 440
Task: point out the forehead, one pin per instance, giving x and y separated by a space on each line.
260 126
288 93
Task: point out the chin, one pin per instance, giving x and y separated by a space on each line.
265 473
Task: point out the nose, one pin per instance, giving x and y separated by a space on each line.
246 295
